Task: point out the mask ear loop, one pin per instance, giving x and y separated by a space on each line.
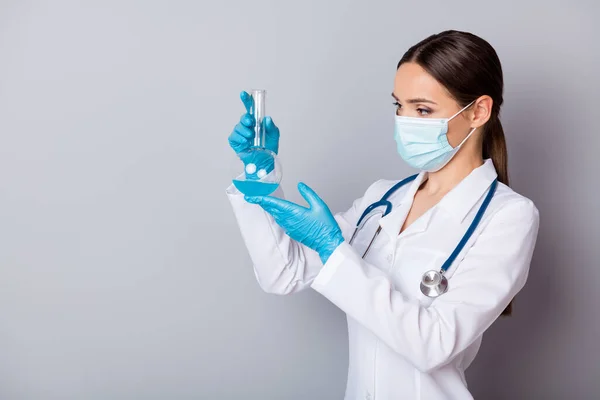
472 130
467 106
465 139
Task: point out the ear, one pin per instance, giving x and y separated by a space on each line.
482 111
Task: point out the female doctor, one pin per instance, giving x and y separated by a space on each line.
422 283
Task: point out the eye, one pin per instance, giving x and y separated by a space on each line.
398 107
423 111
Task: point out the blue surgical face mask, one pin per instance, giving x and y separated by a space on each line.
423 142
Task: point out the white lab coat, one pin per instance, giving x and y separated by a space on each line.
404 345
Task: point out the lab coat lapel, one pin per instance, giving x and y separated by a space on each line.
470 191
391 223
459 201
420 225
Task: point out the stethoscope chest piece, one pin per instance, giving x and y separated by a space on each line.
433 284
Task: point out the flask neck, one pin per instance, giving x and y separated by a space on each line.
258 112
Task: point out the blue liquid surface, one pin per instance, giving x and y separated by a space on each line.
255 188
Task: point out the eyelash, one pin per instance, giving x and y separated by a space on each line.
421 111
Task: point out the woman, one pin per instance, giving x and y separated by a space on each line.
404 342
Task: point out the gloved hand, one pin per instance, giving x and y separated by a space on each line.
242 138
314 226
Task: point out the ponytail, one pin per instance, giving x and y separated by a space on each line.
494 147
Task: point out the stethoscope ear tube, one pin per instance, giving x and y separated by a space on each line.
370 243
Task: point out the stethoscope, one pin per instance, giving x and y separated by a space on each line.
433 283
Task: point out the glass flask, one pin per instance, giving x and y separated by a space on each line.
258 170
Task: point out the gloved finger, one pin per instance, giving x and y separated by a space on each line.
270 202
248 101
238 142
273 205
277 213
283 220
237 138
248 121
244 131
271 135
310 196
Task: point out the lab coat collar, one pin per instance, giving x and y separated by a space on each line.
460 200
392 222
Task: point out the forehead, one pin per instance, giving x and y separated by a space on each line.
412 81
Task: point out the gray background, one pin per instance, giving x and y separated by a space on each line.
122 273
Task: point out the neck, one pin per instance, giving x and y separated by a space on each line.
444 180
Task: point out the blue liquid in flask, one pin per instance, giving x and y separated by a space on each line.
255 188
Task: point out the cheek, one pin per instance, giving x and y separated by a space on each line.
457 132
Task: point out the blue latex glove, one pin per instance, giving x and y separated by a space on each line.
242 138
314 226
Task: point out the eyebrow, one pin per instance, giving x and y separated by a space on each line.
417 100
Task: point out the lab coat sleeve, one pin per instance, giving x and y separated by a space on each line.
491 273
281 265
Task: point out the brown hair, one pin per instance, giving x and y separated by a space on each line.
468 67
